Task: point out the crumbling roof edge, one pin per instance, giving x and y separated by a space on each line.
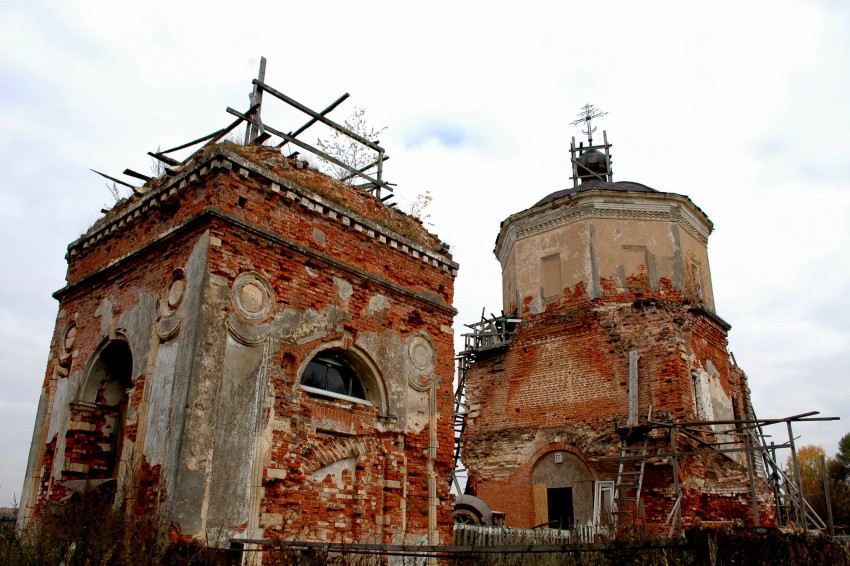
700 308
190 174
214 212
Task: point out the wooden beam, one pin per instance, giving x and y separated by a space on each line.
317 116
131 173
314 150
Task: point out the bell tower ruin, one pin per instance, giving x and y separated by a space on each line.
610 337
248 348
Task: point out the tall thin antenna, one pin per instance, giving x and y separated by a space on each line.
588 113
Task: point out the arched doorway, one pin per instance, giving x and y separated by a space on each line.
563 490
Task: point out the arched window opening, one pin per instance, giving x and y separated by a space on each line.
114 372
95 437
332 374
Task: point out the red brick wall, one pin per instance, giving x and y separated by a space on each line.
563 381
298 230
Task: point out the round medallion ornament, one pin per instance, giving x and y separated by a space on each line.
175 289
70 337
252 296
421 354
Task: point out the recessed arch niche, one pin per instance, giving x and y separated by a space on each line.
96 429
563 490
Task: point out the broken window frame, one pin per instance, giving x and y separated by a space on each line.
598 489
334 359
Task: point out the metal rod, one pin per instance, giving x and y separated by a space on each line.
775 479
751 421
752 480
213 137
694 453
113 179
827 496
221 133
191 143
676 484
801 510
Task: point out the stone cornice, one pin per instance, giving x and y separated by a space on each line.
220 157
600 203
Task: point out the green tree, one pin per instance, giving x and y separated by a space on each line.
840 468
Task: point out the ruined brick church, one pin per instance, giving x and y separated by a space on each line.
576 399
251 349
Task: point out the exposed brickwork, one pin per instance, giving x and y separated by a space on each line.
562 385
344 271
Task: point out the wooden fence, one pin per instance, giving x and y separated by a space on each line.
479 535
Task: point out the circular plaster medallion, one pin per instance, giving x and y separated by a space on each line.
175 293
252 298
421 354
175 289
70 337
252 295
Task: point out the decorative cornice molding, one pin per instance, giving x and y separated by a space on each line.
202 220
599 203
222 158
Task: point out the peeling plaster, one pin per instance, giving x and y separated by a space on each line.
336 471
344 289
299 327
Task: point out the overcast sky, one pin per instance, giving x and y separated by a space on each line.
743 106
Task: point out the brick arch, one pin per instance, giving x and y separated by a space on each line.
112 361
550 447
338 449
562 490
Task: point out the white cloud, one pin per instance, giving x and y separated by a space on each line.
740 105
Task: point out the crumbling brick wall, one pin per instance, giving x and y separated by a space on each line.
562 385
225 279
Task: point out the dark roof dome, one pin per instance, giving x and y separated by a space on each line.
592 162
590 184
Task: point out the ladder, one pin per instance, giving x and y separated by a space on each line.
630 475
464 361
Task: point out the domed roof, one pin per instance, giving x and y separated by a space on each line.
590 184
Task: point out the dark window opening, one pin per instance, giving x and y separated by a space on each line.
560 503
117 364
329 371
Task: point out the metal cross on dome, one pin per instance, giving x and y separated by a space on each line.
588 113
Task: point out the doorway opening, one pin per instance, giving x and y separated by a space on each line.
560 504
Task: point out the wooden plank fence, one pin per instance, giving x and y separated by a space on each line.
479 535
